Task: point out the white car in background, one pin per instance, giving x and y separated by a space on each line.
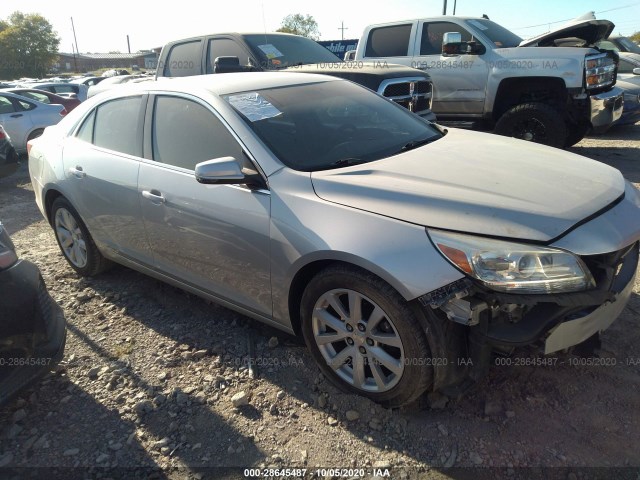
25 119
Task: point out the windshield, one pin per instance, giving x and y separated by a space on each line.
281 51
500 36
628 45
330 124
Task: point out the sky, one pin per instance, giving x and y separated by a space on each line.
103 26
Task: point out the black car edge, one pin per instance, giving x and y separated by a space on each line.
8 156
32 326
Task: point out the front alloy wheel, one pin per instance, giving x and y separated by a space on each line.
365 337
358 340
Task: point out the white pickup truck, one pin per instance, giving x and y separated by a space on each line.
489 78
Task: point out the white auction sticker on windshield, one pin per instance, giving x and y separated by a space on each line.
270 51
253 106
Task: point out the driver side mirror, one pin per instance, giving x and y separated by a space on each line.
452 45
227 65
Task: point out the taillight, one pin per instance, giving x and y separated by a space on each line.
29 145
63 112
2 135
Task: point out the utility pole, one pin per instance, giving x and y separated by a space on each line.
444 8
75 61
343 28
454 6
77 50
128 44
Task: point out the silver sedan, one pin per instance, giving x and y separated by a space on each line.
402 252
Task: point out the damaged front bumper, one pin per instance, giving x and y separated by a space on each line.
606 109
560 321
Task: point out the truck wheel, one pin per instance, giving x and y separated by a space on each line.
534 122
575 133
365 337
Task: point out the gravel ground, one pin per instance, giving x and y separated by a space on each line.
155 384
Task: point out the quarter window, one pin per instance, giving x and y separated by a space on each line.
117 126
6 106
390 41
85 132
186 133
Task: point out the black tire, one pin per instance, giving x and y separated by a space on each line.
575 133
417 374
95 262
35 134
535 122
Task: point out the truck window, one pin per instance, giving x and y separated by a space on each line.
224 47
432 34
390 41
183 60
500 36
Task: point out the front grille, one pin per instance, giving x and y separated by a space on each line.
400 92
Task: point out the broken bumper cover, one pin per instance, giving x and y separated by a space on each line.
576 331
567 320
606 109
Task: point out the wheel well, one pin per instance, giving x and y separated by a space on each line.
514 91
300 282
49 198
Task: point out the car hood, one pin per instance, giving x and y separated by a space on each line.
478 183
589 30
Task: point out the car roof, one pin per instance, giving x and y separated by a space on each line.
222 84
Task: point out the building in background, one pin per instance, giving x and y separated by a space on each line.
86 62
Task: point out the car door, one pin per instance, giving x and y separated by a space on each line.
101 163
459 81
212 237
16 120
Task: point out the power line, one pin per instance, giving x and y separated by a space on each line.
567 19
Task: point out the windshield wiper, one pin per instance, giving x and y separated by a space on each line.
345 162
416 143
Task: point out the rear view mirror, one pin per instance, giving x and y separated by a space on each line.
350 55
636 71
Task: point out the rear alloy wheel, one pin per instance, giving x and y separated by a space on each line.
75 240
365 337
533 122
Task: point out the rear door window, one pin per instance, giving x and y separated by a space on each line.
117 126
184 60
392 41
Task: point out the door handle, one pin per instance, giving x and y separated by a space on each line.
77 172
154 195
16 115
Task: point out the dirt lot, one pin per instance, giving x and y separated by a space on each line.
145 389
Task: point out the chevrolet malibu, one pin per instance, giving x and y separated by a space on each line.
394 247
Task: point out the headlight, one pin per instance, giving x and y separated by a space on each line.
600 70
7 251
514 267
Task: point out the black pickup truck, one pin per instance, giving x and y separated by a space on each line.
255 52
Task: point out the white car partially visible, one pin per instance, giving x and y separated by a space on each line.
25 119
